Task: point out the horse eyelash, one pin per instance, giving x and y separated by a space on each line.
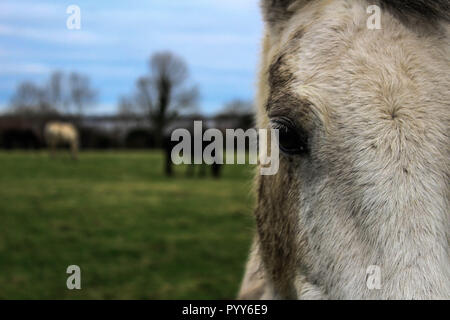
282 123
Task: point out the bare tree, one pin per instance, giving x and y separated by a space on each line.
30 99
241 111
238 107
59 94
127 107
81 93
57 91
162 94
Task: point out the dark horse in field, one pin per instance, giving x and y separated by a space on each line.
168 145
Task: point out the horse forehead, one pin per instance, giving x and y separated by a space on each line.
389 70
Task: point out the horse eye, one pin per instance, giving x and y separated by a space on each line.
291 140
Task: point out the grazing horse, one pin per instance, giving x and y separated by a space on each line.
362 191
60 133
168 145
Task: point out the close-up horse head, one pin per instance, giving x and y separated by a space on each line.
222 150
363 118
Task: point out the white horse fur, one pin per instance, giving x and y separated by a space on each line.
373 188
60 133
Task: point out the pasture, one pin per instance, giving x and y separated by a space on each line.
134 233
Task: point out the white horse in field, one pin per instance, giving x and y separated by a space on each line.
60 133
359 208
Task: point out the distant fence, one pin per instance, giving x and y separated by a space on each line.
101 132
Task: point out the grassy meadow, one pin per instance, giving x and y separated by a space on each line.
135 233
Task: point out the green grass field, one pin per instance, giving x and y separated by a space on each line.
134 233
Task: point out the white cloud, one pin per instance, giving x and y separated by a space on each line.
53 35
107 71
29 10
211 39
25 68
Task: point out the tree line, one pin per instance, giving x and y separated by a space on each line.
61 93
161 95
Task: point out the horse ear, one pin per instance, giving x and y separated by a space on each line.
276 11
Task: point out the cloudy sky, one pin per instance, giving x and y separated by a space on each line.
219 39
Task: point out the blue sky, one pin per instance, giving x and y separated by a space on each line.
219 39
